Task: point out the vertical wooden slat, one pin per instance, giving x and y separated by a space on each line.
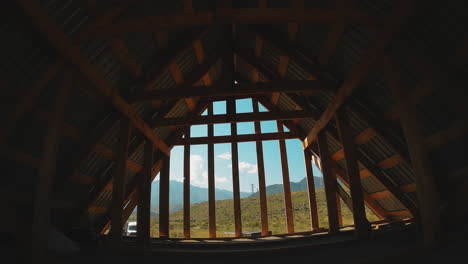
330 183
47 170
164 197
231 109
211 181
286 181
118 185
144 194
261 176
426 189
362 226
311 190
187 186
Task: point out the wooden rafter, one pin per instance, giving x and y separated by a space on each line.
27 101
61 42
392 26
316 72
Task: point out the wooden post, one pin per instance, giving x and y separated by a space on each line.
261 176
426 189
211 181
187 186
362 226
118 185
286 182
47 170
231 109
311 190
144 195
329 182
164 197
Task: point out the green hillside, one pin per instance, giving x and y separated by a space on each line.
250 208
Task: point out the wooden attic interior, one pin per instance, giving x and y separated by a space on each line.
97 93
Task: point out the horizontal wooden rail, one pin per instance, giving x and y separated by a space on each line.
237 16
243 117
184 91
238 138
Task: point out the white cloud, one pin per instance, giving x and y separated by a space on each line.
225 155
198 173
246 167
220 179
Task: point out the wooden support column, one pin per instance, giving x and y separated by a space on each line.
47 170
144 195
187 186
426 189
329 182
362 226
118 185
261 176
311 190
231 109
211 181
286 182
164 197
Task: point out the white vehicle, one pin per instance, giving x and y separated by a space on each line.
131 229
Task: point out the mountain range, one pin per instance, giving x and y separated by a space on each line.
200 194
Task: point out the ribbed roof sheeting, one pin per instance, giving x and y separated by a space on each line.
93 164
400 174
187 61
391 204
285 103
373 151
349 50
372 185
295 72
355 122
180 109
376 95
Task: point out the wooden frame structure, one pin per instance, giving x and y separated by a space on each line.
153 103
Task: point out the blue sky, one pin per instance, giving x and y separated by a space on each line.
247 155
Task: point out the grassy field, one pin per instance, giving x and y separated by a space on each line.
250 208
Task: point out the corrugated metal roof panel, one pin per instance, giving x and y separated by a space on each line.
372 185
390 204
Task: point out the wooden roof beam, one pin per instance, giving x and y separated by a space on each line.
243 117
65 46
238 138
183 91
393 24
237 16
